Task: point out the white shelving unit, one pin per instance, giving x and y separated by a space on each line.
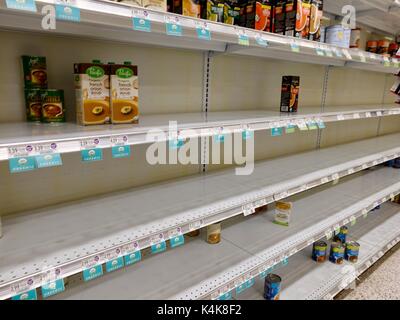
189 125
54 226
305 279
249 246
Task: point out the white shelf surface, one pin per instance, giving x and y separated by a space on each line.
68 136
80 230
113 21
199 266
302 278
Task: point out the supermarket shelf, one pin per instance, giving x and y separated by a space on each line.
69 136
113 21
85 229
303 279
246 243
320 214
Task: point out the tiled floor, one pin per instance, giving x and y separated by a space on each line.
381 282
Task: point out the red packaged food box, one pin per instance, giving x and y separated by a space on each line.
259 15
303 18
290 93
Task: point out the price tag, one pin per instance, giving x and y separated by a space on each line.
338 53
335 178
92 272
29 295
173 26
340 117
261 41
53 288
23 286
321 124
140 21
328 234
119 147
195 225
47 156
290 128
364 213
247 134
368 114
225 296
281 195
132 258
328 53
356 116
347 54
392 196
350 171
90 151
379 113
114 264
22 164
362 57
176 238
248 209
243 38
324 180
295 47
158 244
353 220
202 31
312 125
386 62
319 51
25 5
176 143
301 124
276 132
67 10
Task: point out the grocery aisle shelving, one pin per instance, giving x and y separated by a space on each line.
85 228
69 136
113 21
302 278
196 269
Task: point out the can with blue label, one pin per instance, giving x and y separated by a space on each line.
272 287
341 235
352 251
337 253
319 251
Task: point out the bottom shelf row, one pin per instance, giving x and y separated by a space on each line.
198 265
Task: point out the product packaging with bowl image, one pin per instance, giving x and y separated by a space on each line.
290 93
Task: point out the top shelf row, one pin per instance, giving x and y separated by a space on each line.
118 22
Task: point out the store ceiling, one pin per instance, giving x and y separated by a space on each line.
381 15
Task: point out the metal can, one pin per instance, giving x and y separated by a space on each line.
33 103
383 47
352 251
341 236
214 233
319 251
272 287
53 106
337 253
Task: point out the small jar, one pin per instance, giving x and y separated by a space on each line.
214 233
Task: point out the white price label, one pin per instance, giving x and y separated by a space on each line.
356 116
364 213
324 180
281 195
22 286
157 239
20 151
174 232
362 57
51 276
392 196
248 209
118 140
379 113
368 114
130 248
340 117
335 178
347 54
90 143
195 225
45 148
328 234
301 124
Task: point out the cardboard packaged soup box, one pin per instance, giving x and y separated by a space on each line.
92 93
124 93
